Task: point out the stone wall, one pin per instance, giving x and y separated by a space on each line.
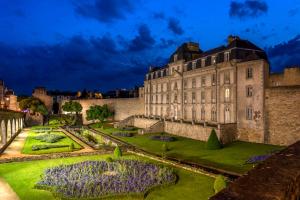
123 108
283 115
198 132
143 122
276 178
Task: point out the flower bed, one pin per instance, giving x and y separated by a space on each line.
47 146
123 134
99 179
86 136
163 138
257 159
50 138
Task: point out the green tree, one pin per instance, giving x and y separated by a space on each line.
35 106
72 107
213 141
100 113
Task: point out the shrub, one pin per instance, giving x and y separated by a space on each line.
117 152
213 141
50 138
220 183
123 134
46 146
72 147
163 138
109 159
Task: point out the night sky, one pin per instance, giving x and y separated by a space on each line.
107 44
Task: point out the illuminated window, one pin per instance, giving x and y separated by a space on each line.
185 97
213 79
193 97
227 56
227 94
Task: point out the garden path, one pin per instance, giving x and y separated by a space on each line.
6 192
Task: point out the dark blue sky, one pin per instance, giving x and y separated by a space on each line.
106 44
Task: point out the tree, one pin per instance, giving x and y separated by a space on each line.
35 106
72 107
213 141
100 113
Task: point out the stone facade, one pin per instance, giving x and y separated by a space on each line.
290 76
283 114
123 107
41 94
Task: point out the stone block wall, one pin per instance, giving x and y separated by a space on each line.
123 107
283 115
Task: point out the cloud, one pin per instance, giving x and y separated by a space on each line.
158 15
248 9
105 11
174 26
143 40
293 12
284 54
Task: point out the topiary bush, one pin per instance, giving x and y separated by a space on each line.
72 147
117 152
109 159
165 147
220 183
213 141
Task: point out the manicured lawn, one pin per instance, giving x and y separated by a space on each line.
30 141
22 177
232 157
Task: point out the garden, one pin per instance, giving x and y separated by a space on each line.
48 139
238 156
104 176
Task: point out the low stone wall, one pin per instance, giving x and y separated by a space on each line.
197 132
277 178
228 133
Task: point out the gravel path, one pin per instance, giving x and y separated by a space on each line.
6 192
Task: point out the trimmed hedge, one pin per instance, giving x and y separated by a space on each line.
50 138
213 141
46 146
220 183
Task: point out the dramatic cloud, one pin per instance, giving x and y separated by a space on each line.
247 9
174 26
285 54
105 10
143 40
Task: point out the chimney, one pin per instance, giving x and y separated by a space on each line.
231 38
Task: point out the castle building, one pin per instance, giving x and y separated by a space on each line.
224 85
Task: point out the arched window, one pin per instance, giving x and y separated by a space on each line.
213 114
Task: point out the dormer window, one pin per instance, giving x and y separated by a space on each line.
214 59
227 56
175 57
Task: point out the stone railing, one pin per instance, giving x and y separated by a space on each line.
129 121
155 128
276 178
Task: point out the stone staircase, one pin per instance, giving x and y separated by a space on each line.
155 128
129 121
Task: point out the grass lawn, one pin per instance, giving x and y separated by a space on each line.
232 157
30 141
22 177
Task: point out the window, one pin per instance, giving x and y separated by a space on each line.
185 97
184 114
213 114
202 96
202 113
193 114
175 98
213 96
249 113
227 94
185 83
167 98
249 91
203 81
156 98
161 111
214 59
227 56
227 115
193 83
227 77
193 97
249 73
213 79
175 86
